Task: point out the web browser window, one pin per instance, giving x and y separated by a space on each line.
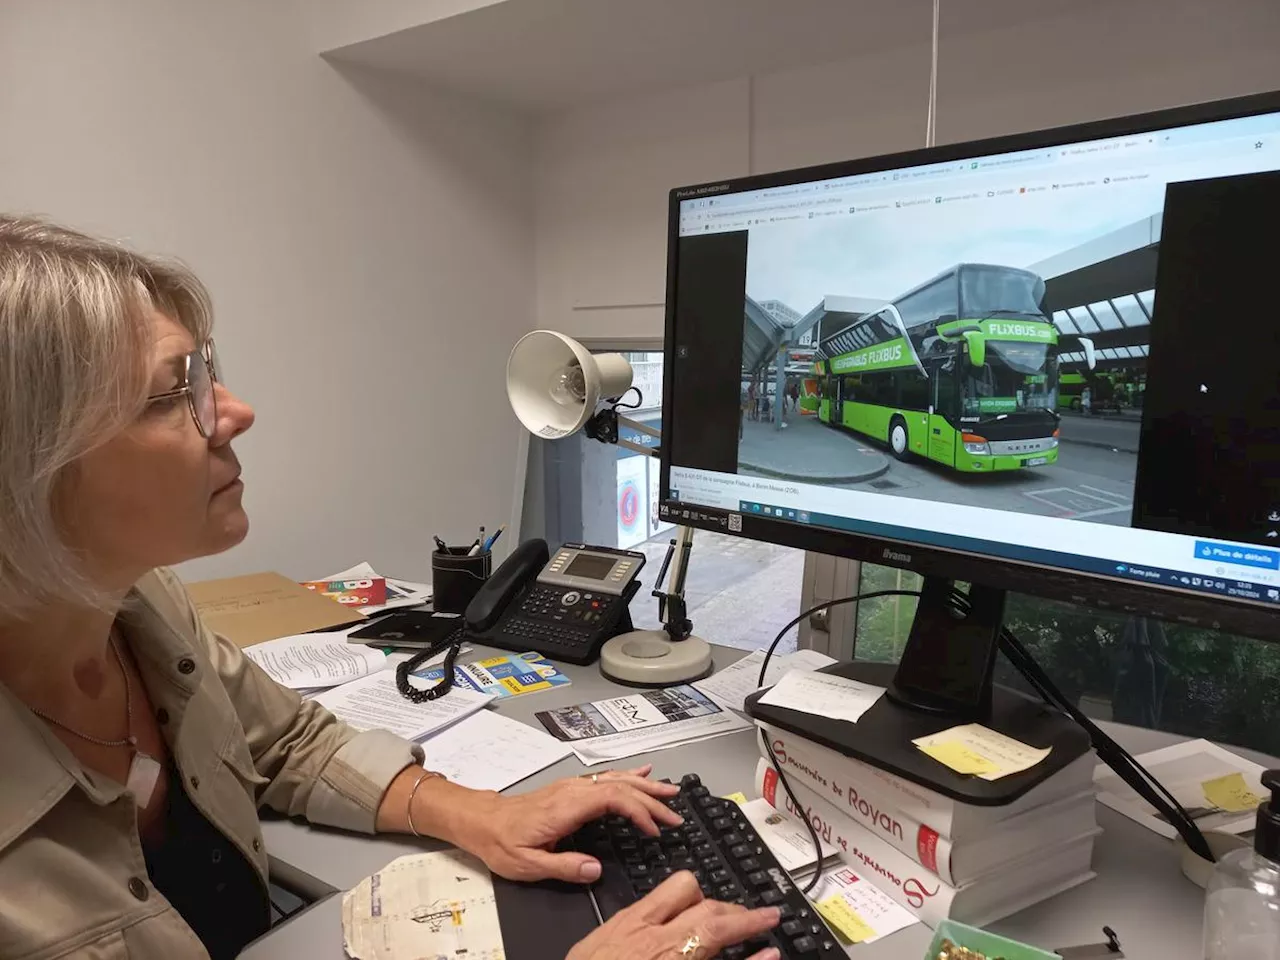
952 354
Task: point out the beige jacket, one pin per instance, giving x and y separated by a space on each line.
73 882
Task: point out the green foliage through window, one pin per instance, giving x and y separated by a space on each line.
1190 681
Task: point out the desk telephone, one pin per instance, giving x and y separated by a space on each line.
564 606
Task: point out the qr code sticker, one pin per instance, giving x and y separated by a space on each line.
735 523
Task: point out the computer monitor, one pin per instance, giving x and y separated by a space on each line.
965 345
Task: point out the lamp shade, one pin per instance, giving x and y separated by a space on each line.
554 383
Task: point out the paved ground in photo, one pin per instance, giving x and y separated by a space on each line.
808 451
740 592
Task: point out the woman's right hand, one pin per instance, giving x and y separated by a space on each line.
659 926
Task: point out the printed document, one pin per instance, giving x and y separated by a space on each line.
308 661
488 751
785 836
374 703
1217 788
618 727
400 593
731 686
424 905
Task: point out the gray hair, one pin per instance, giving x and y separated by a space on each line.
75 348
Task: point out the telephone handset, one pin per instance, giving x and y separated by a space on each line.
564 606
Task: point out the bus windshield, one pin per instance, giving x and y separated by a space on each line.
999 292
1017 377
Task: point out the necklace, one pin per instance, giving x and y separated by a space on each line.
144 769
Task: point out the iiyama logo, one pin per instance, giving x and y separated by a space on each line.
891 554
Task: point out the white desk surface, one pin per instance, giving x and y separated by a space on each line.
1139 890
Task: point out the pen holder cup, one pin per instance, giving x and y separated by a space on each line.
456 578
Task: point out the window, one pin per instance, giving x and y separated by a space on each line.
1190 681
580 490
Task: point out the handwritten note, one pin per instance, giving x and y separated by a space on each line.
823 695
1230 793
731 686
973 749
488 751
856 909
844 919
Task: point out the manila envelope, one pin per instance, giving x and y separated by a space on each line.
262 606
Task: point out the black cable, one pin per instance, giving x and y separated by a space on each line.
1111 753
452 646
777 767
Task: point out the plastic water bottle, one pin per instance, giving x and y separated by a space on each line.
1242 903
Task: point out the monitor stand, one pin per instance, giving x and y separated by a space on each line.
944 679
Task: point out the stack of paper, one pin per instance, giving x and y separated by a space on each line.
400 593
314 661
732 685
374 703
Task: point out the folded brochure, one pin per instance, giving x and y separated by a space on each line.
511 675
618 727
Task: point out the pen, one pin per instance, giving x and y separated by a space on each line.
488 544
441 545
475 550
480 539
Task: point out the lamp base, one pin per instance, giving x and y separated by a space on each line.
650 658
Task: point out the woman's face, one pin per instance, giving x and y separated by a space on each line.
159 493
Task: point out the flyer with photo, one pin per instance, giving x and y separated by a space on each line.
619 727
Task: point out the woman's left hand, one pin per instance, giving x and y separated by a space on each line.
516 835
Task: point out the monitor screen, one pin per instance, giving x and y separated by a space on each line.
950 357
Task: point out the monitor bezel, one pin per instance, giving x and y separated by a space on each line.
1108 593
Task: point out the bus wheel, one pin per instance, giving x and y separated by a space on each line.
898 441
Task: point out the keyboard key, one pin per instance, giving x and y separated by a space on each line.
771 897
785 912
792 928
722 824
716 810
749 864
731 839
740 851
720 876
759 879
804 945
638 870
726 892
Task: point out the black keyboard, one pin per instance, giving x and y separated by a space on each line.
731 862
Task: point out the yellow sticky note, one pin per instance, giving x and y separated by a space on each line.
738 798
844 919
1230 793
959 758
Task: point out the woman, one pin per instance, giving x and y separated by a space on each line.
136 744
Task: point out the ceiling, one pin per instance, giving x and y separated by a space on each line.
542 56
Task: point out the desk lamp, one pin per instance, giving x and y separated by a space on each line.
556 388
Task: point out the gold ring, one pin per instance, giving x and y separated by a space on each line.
691 947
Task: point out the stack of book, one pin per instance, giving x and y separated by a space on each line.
938 857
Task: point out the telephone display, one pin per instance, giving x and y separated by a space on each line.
564 606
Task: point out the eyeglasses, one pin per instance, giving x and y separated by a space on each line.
199 375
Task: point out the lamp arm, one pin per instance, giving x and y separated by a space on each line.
603 426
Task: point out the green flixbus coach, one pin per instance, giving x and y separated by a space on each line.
961 370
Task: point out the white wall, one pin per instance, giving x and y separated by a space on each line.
602 174
368 245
